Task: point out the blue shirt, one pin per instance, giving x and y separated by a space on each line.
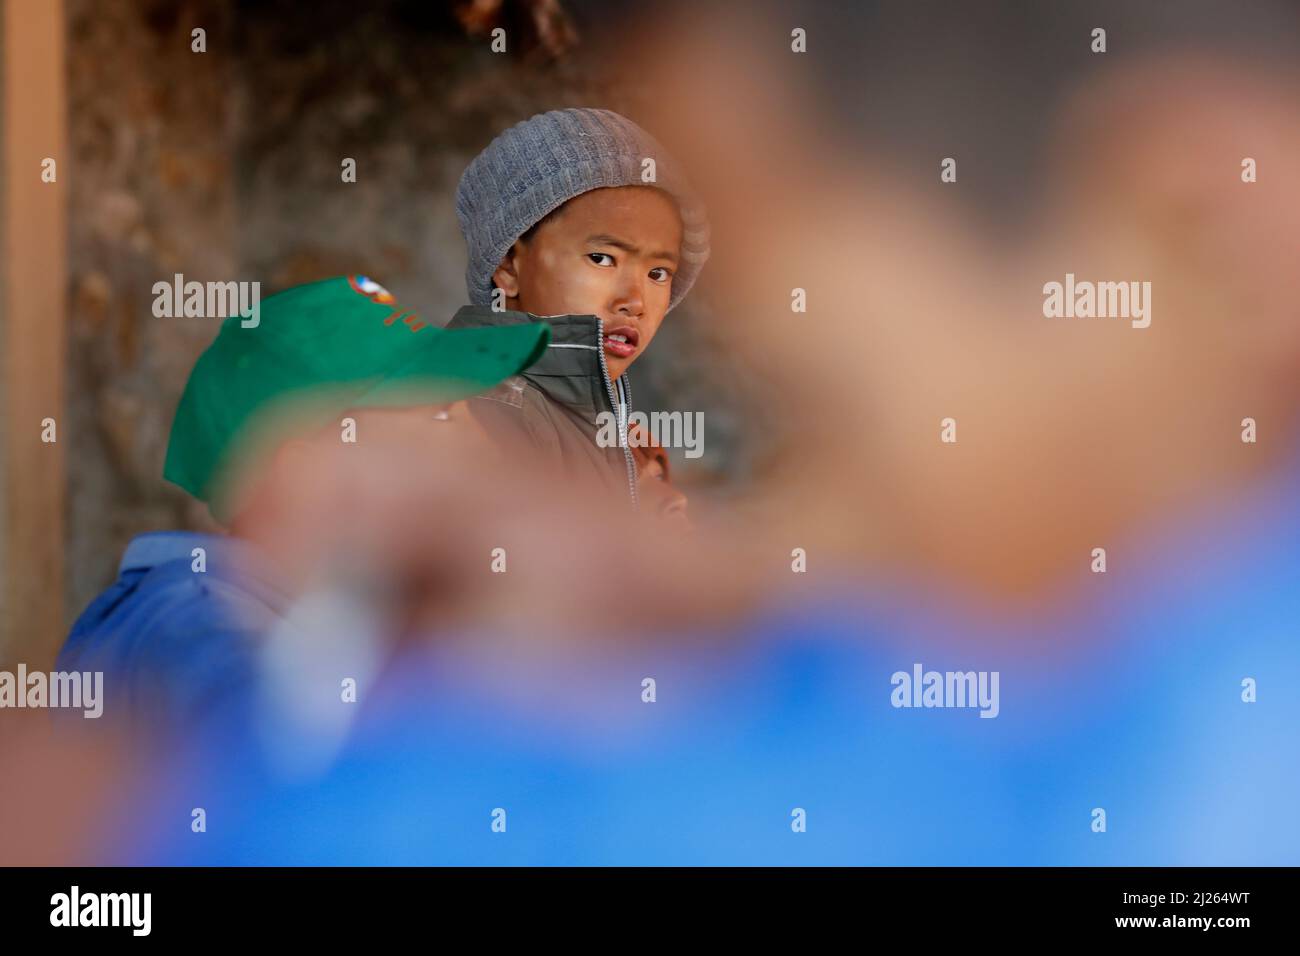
177 635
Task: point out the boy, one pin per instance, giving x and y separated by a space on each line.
562 227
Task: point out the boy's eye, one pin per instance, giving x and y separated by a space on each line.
666 275
597 256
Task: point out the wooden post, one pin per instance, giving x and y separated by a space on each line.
33 313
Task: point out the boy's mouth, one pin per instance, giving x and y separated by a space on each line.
622 341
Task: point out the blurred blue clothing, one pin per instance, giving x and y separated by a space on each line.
1128 698
177 633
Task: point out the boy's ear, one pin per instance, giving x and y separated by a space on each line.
506 276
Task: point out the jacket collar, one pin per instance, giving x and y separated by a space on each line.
569 372
227 558
149 550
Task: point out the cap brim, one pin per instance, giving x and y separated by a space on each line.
459 363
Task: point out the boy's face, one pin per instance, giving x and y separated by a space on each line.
608 252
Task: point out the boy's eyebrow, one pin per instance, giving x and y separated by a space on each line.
605 239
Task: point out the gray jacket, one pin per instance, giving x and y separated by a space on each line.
552 406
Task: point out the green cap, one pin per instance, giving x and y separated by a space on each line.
320 349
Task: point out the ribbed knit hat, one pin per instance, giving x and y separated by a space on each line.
537 165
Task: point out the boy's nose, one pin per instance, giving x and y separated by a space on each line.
630 300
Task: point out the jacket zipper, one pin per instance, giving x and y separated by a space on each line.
622 420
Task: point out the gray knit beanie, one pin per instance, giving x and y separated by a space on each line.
543 162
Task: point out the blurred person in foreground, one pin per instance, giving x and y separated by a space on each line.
1145 715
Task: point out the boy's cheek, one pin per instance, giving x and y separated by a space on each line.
568 293
648 333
